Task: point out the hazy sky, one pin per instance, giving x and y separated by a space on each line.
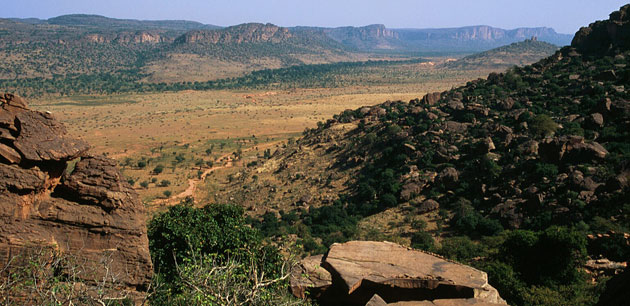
566 16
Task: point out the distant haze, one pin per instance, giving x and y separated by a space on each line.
565 16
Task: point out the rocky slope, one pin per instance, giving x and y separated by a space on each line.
542 148
363 272
517 54
89 212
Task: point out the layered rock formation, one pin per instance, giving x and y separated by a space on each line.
244 33
90 212
374 273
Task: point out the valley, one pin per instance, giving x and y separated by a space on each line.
172 162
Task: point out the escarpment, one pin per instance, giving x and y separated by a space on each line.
89 212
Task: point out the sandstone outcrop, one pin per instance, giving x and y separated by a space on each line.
90 212
359 270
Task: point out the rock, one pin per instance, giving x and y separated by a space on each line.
597 119
92 214
410 190
428 206
506 104
529 148
376 301
97 181
449 177
571 148
456 127
309 279
602 37
488 145
40 137
9 154
362 269
13 100
455 105
431 98
306 199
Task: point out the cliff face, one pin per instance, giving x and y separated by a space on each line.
138 37
244 33
90 212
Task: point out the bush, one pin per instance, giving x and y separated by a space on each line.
564 249
461 249
422 241
543 125
158 169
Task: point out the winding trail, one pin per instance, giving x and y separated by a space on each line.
192 183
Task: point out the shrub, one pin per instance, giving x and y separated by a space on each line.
543 125
185 239
158 169
423 241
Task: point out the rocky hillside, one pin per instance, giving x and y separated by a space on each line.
516 164
517 54
88 212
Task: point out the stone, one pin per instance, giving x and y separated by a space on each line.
431 98
449 177
13 100
456 127
396 273
97 181
376 301
455 105
9 154
506 104
597 119
309 279
428 206
40 137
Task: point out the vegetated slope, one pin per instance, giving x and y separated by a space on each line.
516 54
94 46
540 151
113 23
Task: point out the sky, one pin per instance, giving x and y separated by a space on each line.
565 16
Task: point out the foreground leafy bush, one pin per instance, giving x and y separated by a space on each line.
210 256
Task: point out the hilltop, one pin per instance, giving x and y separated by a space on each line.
511 173
517 54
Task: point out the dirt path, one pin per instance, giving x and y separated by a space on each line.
192 183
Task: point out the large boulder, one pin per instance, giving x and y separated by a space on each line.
396 274
91 214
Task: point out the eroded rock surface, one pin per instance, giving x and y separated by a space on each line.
362 269
92 212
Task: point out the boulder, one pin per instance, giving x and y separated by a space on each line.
449 177
91 214
428 206
362 269
431 98
597 119
309 279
